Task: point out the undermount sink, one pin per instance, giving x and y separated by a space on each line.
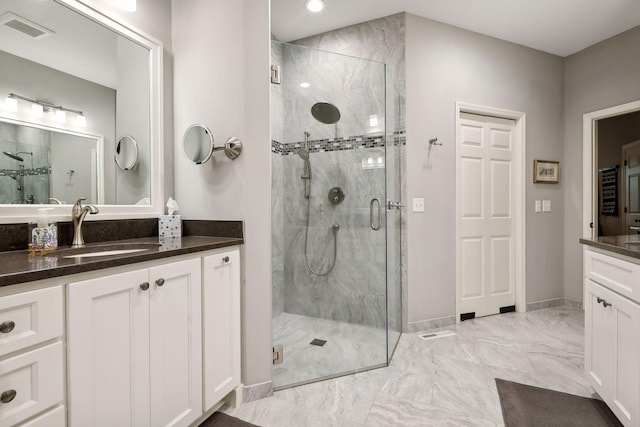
107 249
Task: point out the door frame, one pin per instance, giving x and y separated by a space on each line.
519 190
590 163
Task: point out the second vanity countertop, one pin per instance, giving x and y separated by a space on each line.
628 245
21 267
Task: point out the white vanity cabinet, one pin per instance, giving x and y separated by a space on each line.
612 332
221 323
32 358
135 347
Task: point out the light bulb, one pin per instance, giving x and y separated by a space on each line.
11 103
373 120
37 110
127 5
305 85
81 120
61 116
315 6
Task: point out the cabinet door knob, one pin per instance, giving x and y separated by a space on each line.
160 282
7 326
225 259
8 396
144 286
603 301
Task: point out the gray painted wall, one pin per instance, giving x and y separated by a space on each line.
218 46
601 76
446 64
153 18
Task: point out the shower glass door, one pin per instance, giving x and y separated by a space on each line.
329 243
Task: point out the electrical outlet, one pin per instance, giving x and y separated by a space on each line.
538 206
418 204
546 206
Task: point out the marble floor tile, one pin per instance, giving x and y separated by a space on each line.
446 381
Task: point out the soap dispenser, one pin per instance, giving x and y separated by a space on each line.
43 233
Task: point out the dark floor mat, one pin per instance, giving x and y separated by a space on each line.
220 419
525 405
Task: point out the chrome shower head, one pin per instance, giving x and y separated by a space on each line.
13 156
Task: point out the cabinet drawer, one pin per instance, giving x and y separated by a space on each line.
36 377
616 274
29 318
53 418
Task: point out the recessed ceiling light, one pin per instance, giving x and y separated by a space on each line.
315 5
305 85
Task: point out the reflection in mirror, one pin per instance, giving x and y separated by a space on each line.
126 153
618 169
198 144
36 167
102 79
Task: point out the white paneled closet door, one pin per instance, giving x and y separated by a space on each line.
485 247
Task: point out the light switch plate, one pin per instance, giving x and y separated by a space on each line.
546 206
538 206
418 204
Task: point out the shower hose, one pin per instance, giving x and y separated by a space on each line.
335 227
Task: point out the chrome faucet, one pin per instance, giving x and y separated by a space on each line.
78 212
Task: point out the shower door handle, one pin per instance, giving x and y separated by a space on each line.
376 225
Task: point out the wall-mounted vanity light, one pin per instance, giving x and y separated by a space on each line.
39 108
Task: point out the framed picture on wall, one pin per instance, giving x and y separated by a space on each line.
546 171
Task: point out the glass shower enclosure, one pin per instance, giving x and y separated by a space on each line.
336 297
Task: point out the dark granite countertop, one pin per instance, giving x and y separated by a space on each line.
18 266
21 266
623 245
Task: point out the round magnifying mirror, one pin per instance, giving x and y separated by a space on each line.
198 144
126 153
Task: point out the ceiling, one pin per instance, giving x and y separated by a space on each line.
560 27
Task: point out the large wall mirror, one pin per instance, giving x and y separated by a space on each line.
73 82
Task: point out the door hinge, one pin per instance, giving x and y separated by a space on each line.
590 225
278 355
625 163
275 75
625 209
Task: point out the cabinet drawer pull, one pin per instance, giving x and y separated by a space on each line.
8 396
144 286
160 282
604 302
225 259
7 326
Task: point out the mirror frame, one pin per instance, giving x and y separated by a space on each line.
134 163
10 214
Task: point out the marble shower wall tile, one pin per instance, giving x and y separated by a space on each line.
356 290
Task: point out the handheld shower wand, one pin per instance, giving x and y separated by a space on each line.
306 174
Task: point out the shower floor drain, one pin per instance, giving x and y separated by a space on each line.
433 335
318 342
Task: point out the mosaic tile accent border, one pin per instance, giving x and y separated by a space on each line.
26 172
338 144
